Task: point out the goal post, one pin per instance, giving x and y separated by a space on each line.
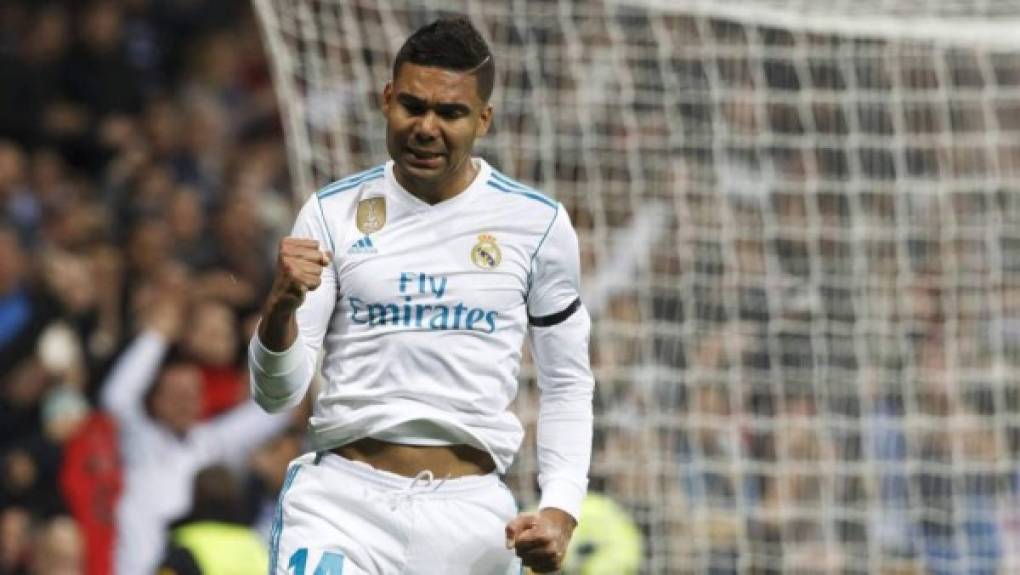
800 233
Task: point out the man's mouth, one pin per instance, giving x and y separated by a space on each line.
424 155
423 159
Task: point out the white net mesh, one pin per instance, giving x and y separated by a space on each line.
799 226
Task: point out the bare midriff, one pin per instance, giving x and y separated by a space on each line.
409 460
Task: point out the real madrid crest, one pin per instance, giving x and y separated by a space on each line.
486 254
371 216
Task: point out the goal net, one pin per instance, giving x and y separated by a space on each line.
800 232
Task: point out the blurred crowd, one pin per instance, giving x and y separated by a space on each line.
143 187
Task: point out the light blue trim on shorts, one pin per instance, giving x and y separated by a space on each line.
277 529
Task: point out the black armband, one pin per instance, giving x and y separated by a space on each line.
558 317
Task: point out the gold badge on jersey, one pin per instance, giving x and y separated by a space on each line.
486 254
371 216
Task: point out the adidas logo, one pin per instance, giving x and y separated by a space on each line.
362 246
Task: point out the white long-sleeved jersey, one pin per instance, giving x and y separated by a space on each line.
423 314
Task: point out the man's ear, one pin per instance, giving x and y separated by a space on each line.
486 121
387 97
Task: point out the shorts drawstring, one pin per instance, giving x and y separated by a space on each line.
423 482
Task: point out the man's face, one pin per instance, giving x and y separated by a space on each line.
432 119
177 402
212 335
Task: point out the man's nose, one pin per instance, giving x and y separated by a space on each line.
427 127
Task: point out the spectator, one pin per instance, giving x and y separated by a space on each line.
15 540
212 343
99 74
17 203
186 219
163 444
30 81
102 87
606 541
40 407
23 312
58 548
90 483
213 539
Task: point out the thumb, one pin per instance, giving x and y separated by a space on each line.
518 525
325 257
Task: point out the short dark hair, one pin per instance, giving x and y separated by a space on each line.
450 43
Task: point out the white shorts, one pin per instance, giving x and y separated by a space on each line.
339 516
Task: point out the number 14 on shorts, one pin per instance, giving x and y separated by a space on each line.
330 563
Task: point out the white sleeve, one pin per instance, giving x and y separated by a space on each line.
555 269
231 437
133 373
279 380
560 329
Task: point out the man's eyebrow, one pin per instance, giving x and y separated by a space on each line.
410 99
447 107
404 97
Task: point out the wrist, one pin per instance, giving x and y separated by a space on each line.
559 516
280 306
278 328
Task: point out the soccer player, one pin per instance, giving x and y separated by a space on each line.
421 278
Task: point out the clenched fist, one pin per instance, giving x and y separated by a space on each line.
299 266
540 539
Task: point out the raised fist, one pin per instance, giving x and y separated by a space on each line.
299 268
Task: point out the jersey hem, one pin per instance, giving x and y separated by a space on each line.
328 438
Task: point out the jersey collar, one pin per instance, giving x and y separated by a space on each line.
477 184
